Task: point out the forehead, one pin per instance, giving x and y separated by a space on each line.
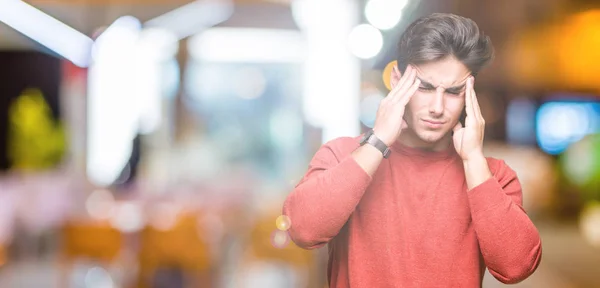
445 72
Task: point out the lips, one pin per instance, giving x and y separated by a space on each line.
433 124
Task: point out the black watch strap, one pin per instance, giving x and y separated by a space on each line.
371 139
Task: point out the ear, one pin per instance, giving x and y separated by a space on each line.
395 77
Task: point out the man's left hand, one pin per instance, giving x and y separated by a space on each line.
468 140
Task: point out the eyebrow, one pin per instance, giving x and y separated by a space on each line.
428 85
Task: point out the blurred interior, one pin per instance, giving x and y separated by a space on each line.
152 143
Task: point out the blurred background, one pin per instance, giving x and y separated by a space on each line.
151 143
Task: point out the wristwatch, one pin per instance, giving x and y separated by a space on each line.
370 138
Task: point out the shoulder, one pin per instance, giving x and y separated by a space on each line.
342 146
338 148
335 150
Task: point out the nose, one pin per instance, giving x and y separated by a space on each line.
436 106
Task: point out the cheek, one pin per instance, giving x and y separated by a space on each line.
455 107
416 103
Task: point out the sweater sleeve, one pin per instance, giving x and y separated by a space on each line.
327 195
510 244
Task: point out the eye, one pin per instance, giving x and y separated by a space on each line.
456 93
426 89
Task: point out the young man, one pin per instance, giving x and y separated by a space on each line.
414 202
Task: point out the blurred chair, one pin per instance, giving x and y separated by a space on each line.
266 250
89 240
179 249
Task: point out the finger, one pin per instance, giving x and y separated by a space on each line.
404 81
405 98
469 104
401 81
396 87
404 92
404 75
476 106
383 101
407 81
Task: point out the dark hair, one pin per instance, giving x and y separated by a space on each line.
439 35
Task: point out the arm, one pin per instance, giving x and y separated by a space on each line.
509 242
325 198
328 194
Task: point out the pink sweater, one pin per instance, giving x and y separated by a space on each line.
414 224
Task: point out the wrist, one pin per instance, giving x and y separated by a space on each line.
474 157
368 158
383 137
476 170
373 140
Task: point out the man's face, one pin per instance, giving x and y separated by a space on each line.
436 107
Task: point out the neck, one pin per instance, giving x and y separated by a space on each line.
409 139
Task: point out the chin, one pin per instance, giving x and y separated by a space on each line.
431 136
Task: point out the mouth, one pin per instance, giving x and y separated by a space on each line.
433 123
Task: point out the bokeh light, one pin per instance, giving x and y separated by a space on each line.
581 166
100 204
98 277
384 14
164 216
249 83
562 123
279 239
590 223
368 108
520 121
158 44
576 44
286 128
365 41
387 74
283 223
128 217
579 161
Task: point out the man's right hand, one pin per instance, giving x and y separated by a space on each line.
389 121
